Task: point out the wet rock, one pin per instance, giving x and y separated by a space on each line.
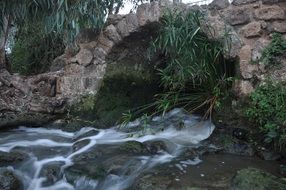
52 173
155 146
89 169
252 178
9 181
269 155
90 133
283 170
79 144
12 158
242 149
149 182
133 147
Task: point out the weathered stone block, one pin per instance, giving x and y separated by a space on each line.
105 43
242 2
219 4
243 87
112 34
270 13
245 67
122 29
84 57
252 29
271 1
277 26
148 13
258 48
236 16
132 23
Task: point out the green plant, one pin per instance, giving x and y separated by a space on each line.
267 108
34 50
277 47
195 74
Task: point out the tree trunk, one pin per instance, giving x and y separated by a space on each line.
3 40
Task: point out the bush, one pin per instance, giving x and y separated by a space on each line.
276 48
195 74
267 108
34 50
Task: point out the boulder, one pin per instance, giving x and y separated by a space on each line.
252 178
219 4
273 12
9 180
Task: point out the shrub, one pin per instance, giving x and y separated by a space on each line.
277 47
267 108
34 50
195 74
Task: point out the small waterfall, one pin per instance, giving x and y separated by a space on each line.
60 150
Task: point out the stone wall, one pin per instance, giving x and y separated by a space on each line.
251 22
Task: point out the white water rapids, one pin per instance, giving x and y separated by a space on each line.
50 146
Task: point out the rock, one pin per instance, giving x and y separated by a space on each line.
147 13
269 155
252 29
9 181
111 32
242 2
59 63
243 87
245 67
79 144
283 170
105 43
86 168
277 26
252 178
155 146
219 4
132 23
258 48
271 1
133 147
242 149
114 18
237 16
52 173
12 158
84 57
270 13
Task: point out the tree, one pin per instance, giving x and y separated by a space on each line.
60 16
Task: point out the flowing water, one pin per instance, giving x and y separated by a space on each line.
90 147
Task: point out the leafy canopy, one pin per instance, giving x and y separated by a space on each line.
60 16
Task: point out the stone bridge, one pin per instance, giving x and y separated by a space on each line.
249 23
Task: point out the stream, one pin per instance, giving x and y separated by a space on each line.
108 159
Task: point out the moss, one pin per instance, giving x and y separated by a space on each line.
251 178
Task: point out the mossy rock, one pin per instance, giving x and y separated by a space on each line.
255 179
133 147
